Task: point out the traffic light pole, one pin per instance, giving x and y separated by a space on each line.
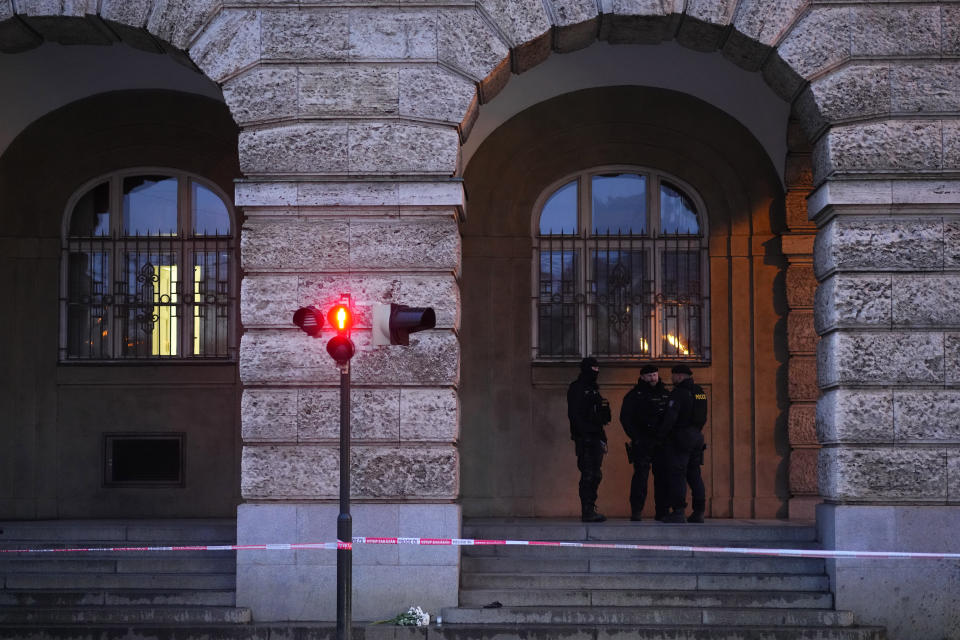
344 522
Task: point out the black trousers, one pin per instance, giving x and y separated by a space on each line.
684 458
589 460
644 458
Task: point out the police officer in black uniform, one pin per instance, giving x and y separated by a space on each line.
588 413
682 426
640 415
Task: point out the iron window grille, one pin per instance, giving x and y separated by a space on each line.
621 269
148 270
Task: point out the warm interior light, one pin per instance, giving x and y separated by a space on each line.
676 344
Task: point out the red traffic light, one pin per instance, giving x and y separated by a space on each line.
340 318
310 320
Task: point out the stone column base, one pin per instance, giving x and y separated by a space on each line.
913 599
301 585
803 507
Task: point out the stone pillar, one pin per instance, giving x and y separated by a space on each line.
797 246
888 262
381 242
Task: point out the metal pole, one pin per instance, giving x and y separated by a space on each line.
344 522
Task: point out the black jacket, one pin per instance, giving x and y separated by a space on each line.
686 407
585 410
642 410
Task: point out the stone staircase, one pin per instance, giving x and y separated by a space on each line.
68 589
553 592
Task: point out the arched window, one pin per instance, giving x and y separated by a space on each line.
148 269
622 272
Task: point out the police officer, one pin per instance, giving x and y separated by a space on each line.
588 413
640 415
682 425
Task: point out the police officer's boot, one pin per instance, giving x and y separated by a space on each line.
696 517
589 513
675 516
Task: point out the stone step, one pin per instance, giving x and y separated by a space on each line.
265 631
716 531
525 551
119 532
121 562
111 581
585 615
124 615
209 598
747 565
646 581
633 598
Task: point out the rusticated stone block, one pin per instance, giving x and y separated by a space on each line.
952 350
802 424
229 44
433 93
317 147
798 172
374 414
892 145
400 147
466 41
796 205
926 300
699 35
718 12
389 34
925 87
879 244
844 300
268 300
348 90
953 475
302 244
924 416
313 472
520 20
801 337
803 472
951 242
855 415
895 31
177 21
274 471
802 378
765 20
819 40
6 9
50 7
133 13
307 34
950 21
274 356
893 357
801 285
572 12
876 474
426 243
264 92
269 415
855 91
429 414
951 142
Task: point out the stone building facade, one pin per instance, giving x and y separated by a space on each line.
370 139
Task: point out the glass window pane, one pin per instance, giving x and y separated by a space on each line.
150 323
88 304
677 211
210 215
557 304
211 303
91 215
559 215
619 204
621 304
149 205
681 304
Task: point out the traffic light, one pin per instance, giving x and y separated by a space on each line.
310 320
340 347
393 323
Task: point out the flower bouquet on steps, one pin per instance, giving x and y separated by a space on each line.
412 617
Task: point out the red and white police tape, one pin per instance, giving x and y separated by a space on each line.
466 542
